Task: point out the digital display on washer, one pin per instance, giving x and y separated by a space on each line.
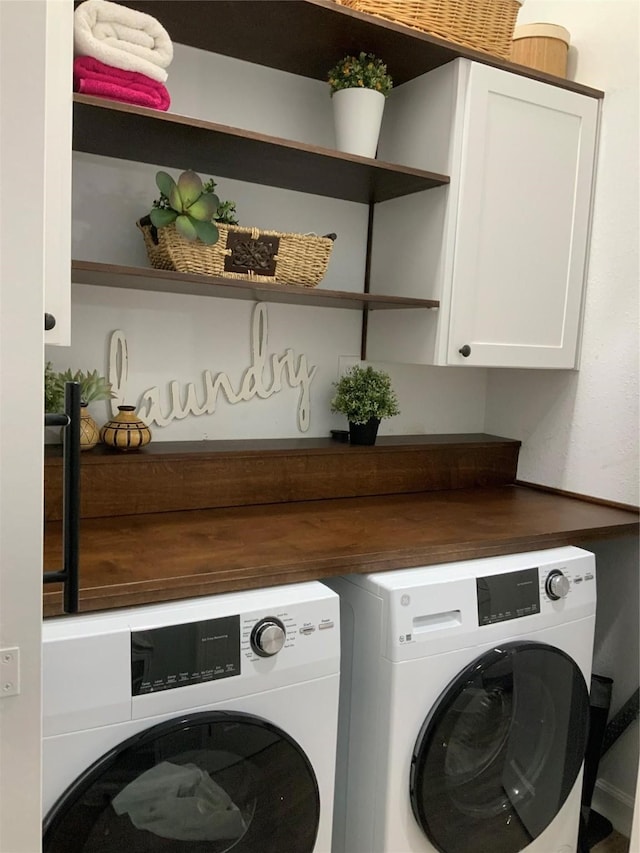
179 655
508 596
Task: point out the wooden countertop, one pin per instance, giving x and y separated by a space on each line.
161 556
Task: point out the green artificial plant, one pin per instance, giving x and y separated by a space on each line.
363 393
192 205
364 71
92 387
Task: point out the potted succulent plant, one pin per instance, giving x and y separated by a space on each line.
365 396
359 86
192 205
93 387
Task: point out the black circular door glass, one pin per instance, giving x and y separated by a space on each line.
501 750
205 783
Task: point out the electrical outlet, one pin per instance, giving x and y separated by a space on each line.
346 362
9 672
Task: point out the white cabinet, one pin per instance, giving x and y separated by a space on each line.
58 119
504 247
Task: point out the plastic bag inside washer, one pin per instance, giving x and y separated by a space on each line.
180 802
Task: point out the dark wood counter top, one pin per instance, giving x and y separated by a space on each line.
161 556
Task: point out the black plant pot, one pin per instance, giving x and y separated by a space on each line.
364 433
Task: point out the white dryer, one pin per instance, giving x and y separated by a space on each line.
464 705
201 725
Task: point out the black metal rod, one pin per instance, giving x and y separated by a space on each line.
367 283
56 420
71 496
54 577
70 421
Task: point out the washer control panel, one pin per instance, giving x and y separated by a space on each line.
181 655
172 656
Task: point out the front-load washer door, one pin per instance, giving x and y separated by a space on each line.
501 750
203 783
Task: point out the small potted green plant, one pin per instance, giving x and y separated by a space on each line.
365 396
359 86
93 387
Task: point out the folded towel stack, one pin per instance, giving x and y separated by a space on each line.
121 54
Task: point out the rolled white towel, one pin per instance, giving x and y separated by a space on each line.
123 38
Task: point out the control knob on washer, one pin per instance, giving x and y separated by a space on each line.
556 585
268 637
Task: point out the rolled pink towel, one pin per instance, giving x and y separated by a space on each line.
92 77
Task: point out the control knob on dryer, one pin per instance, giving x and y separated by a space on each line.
556 585
268 637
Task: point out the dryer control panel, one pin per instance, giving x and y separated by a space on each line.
435 609
507 596
525 592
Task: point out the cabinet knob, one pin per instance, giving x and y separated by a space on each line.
465 351
49 322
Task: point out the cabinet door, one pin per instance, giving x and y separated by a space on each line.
522 226
58 114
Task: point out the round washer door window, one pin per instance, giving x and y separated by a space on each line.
205 783
501 750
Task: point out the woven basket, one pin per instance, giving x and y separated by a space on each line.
485 25
241 253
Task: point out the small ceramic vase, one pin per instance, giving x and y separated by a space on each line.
89 432
126 431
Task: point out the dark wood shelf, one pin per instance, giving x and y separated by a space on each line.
192 475
143 278
308 37
127 132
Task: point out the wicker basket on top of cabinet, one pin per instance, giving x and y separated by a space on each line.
485 25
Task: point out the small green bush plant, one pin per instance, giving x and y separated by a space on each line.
364 393
364 71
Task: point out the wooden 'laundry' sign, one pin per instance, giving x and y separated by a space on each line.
262 378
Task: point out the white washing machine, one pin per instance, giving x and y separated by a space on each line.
464 705
202 725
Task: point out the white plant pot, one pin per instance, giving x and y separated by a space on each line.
357 115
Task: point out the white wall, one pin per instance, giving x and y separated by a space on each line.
178 337
580 429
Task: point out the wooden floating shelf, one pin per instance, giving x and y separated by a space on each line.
193 475
308 37
126 132
143 278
